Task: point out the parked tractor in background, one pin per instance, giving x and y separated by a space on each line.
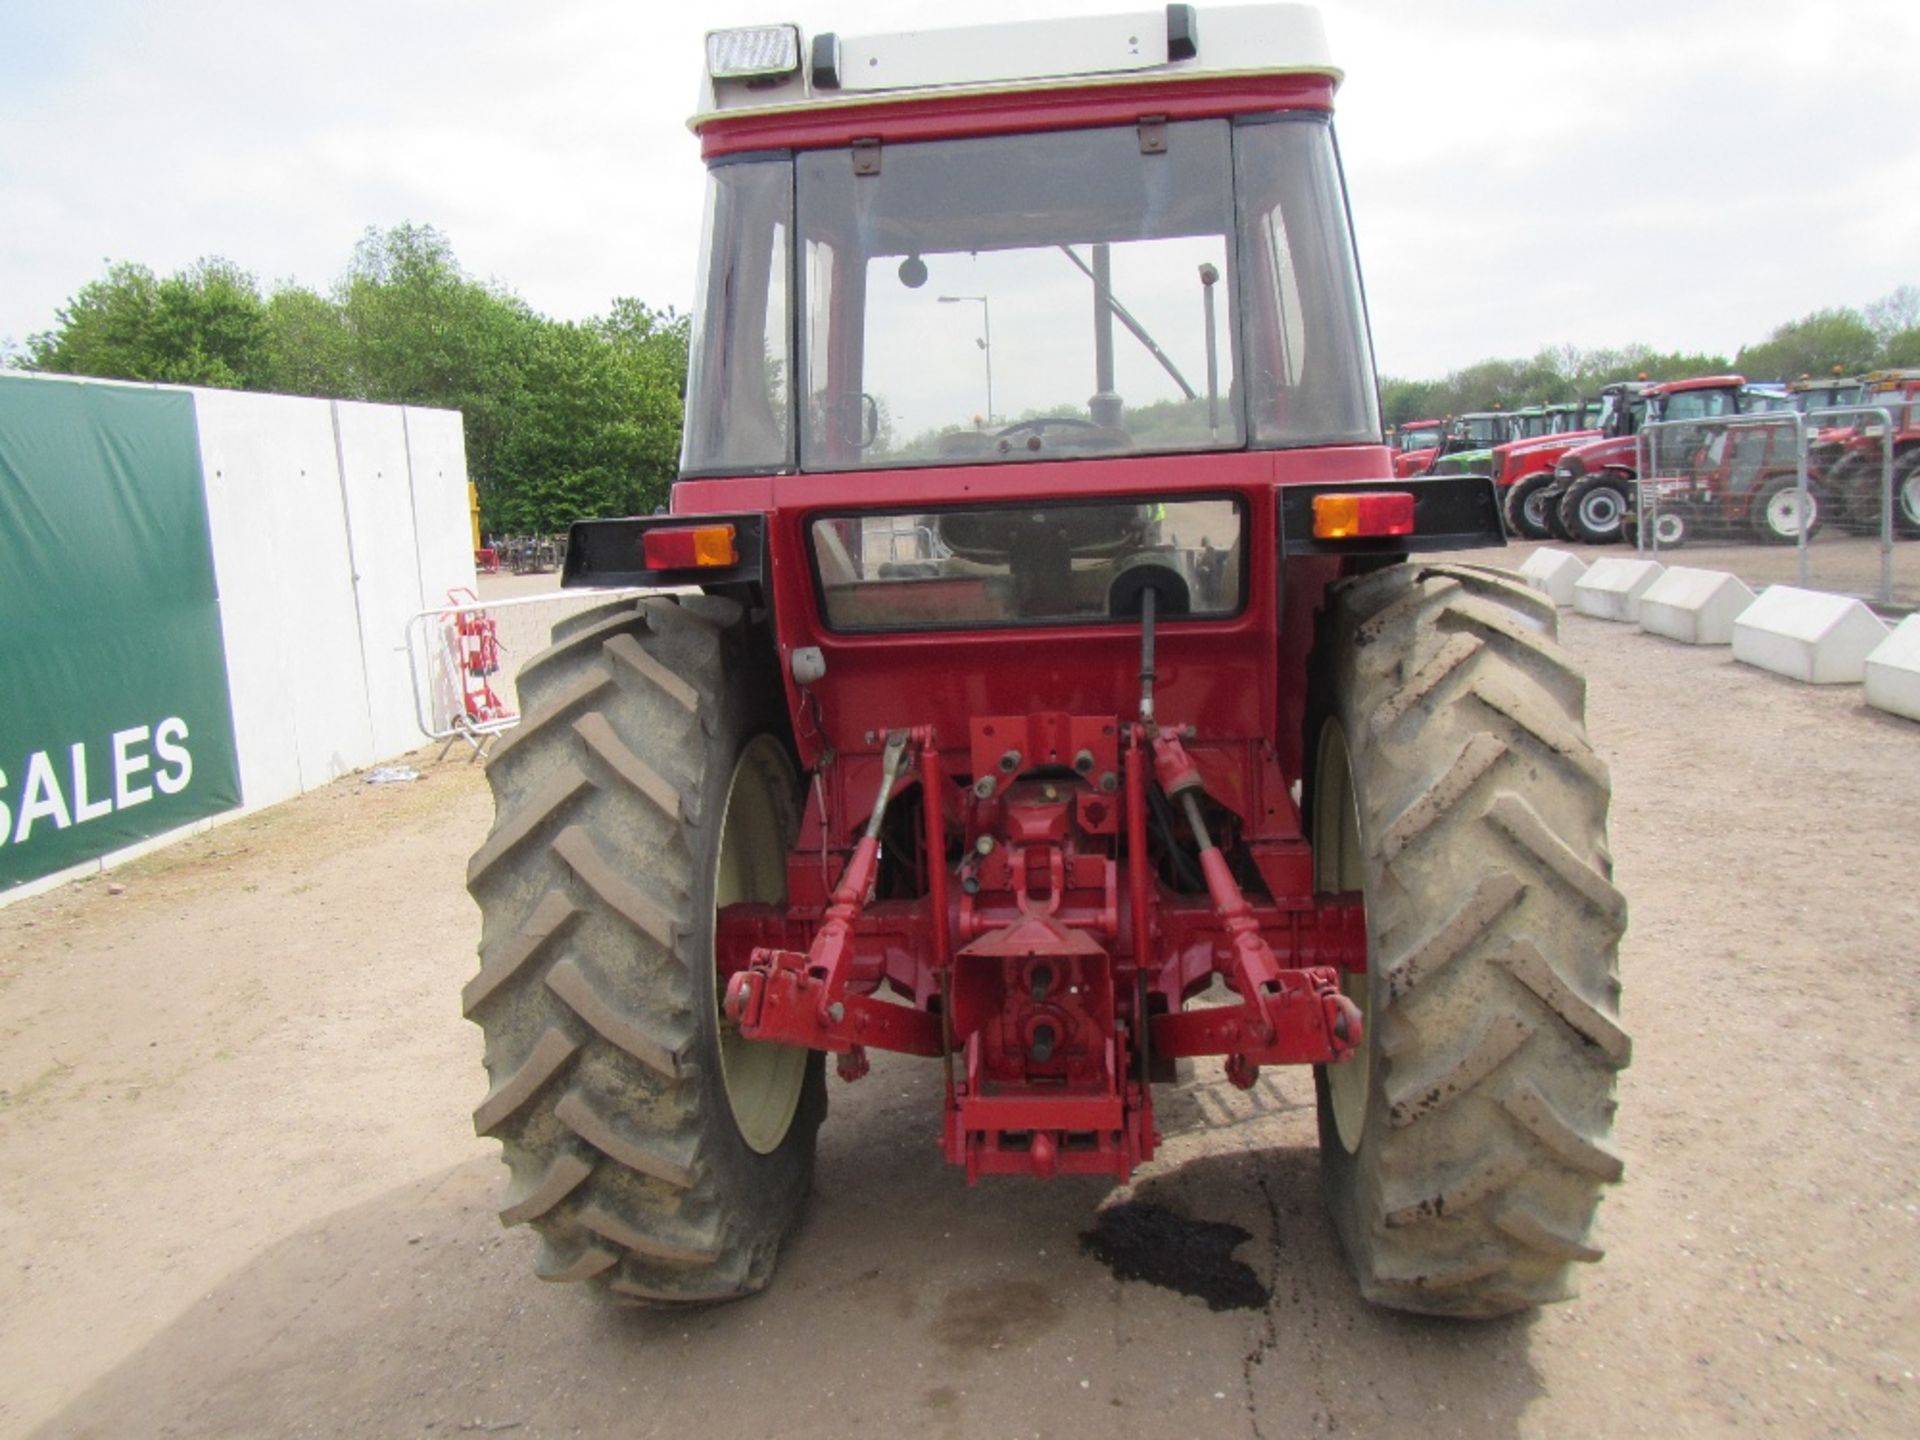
1000 736
1415 443
1528 473
1528 423
1574 416
1467 447
1853 457
1828 393
1593 490
1732 483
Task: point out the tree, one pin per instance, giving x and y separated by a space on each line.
1819 344
1894 314
309 348
1902 350
205 325
421 332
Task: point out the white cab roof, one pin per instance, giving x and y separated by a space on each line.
1036 55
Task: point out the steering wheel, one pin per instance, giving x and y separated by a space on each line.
1044 423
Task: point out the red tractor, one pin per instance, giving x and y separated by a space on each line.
1415 443
1526 470
1594 485
1854 457
1054 737
1733 483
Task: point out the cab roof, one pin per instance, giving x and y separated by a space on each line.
1696 382
774 69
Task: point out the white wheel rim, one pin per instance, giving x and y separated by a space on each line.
1534 508
1339 865
763 1080
1910 498
1668 529
1600 510
1783 511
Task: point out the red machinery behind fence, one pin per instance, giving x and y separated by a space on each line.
475 640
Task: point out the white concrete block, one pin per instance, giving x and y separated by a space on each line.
1695 606
1893 671
1611 588
1553 573
1808 635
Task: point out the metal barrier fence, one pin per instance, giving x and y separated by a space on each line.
1822 500
465 659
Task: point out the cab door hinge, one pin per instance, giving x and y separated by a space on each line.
866 157
1153 134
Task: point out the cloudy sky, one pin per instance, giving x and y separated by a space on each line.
1523 173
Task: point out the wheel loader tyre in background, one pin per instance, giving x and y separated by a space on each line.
655 1152
1464 1149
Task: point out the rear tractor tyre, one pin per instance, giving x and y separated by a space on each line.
1526 506
1595 508
1464 1148
656 1153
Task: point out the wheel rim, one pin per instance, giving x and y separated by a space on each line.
1783 511
1669 530
763 1080
1910 497
1339 865
1601 510
1534 508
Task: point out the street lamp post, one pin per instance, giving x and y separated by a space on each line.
986 345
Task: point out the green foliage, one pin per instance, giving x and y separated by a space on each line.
1822 343
203 326
309 349
563 420
1894 314
1903 350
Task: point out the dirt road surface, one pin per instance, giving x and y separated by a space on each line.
240 1193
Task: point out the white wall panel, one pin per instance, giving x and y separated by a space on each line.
437 445
286 591
386 573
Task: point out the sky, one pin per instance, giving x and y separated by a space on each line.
1523 174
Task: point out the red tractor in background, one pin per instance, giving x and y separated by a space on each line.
1415 444
1002 735
1852 457
1527 472
1733 483
1593 489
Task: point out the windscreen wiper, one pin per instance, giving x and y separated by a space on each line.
1139 332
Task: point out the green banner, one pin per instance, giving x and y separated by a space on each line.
114 717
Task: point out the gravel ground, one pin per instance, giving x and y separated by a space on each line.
240 1194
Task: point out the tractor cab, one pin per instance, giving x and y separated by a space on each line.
1415 443
1480 430
1564 419
1530 423
1829 393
